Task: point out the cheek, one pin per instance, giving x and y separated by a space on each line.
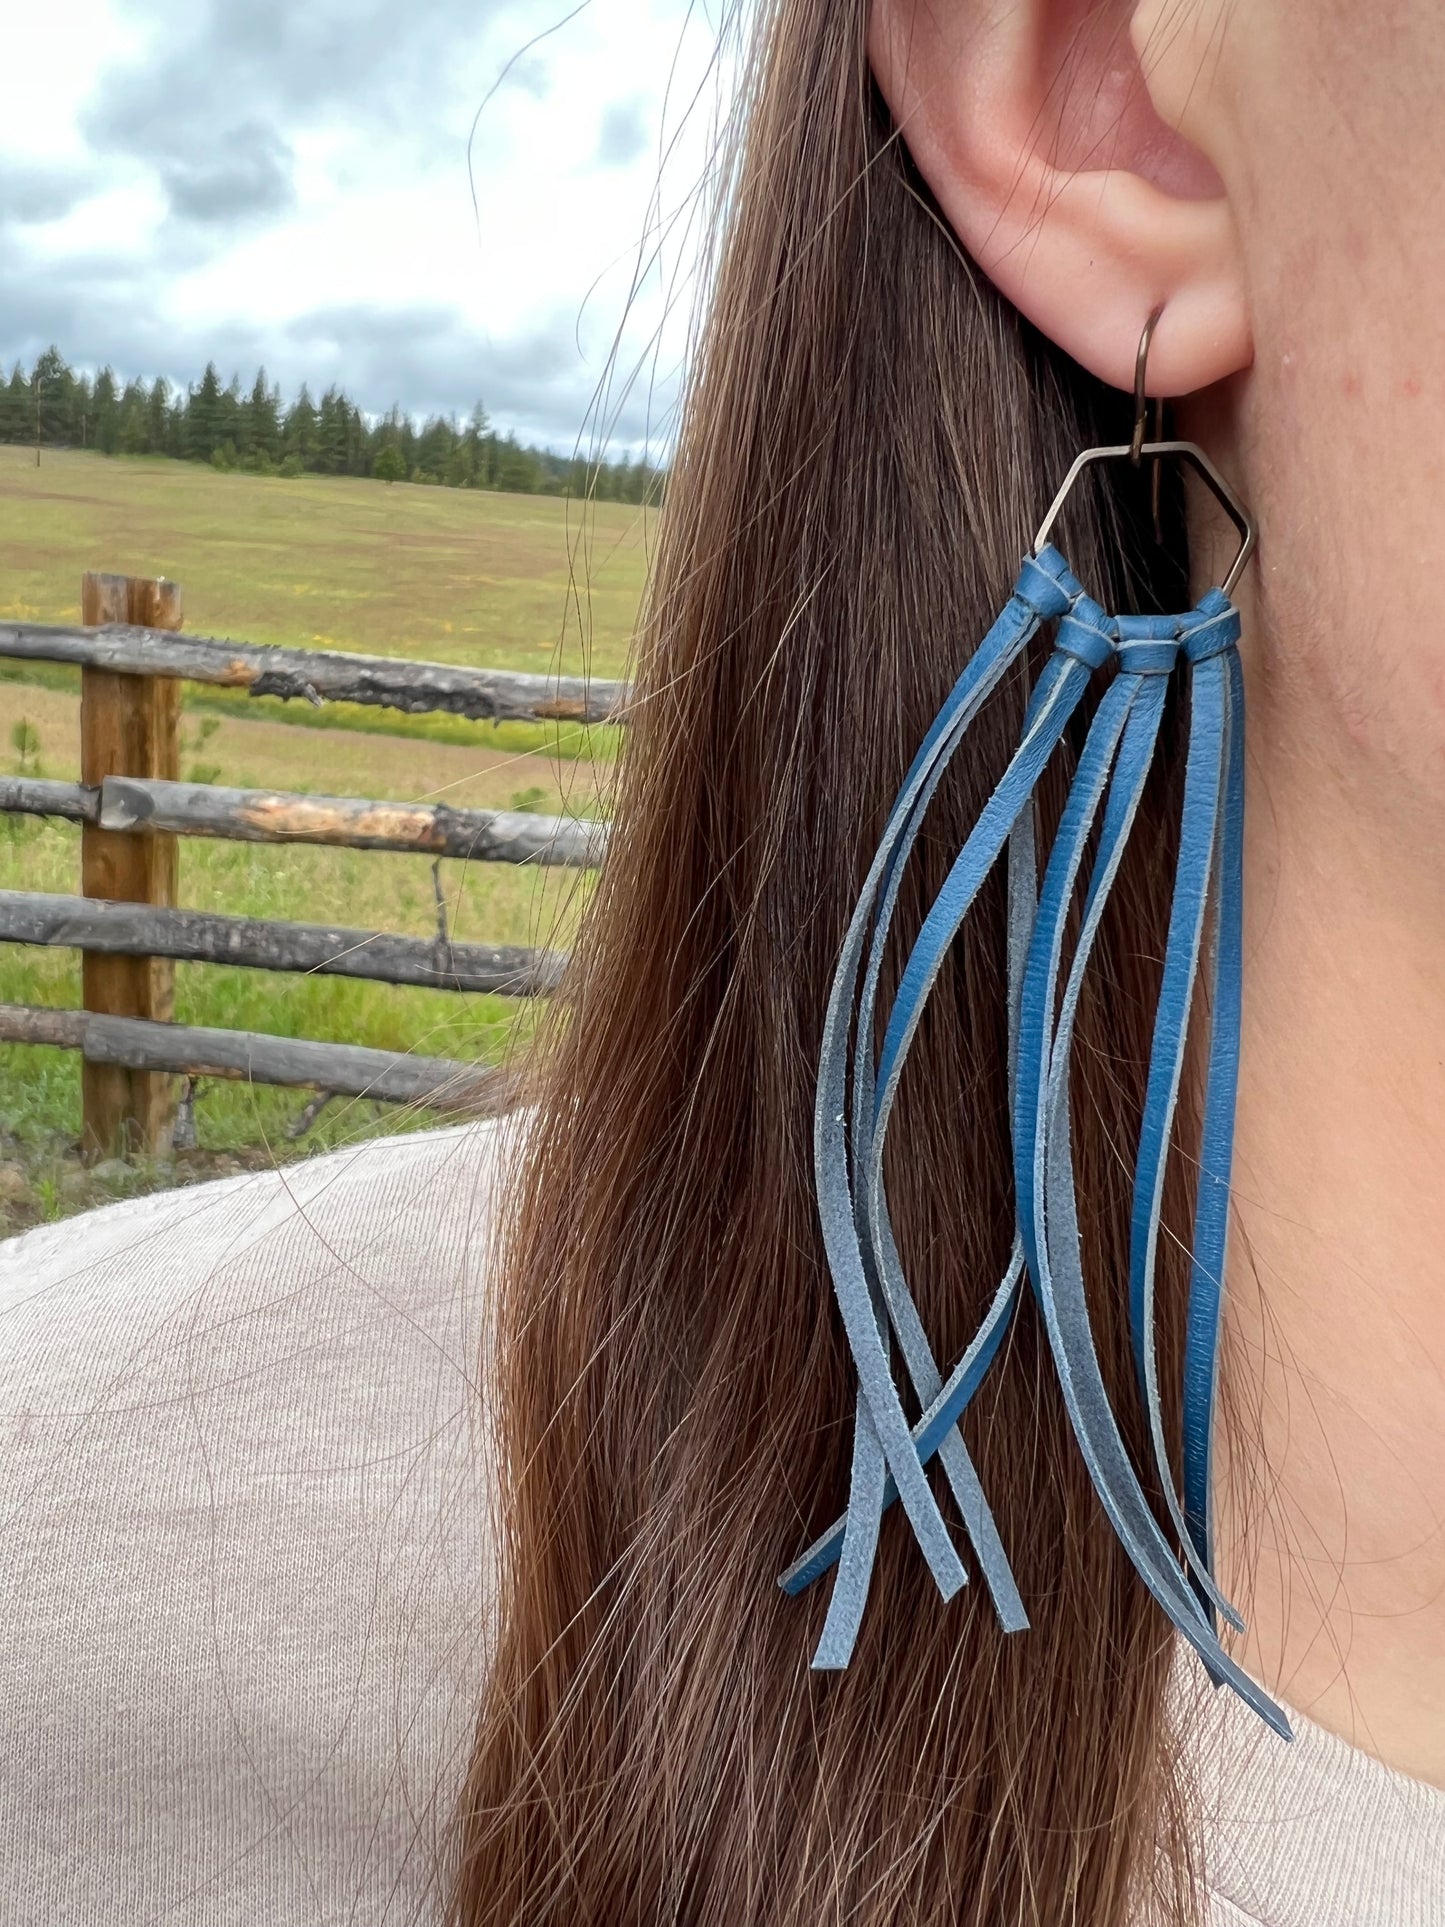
1345 258
1350 553
1352 90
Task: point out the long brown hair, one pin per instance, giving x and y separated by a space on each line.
870 435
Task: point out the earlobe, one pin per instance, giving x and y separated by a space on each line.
1085 217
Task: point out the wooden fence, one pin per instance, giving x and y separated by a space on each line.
133 809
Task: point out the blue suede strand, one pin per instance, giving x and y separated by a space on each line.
880 1256
1211 1219
951 1399
851 1124
1199 826
1044 589
1122 741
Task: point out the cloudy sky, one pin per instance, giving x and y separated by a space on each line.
287 182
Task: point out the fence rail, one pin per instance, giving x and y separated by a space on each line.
132 808
259 943
320 675
279 816
38 796
349 1070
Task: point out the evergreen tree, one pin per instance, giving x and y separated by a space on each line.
358 448
51 385
517 469
461 464
434 448
157 424
481 447
132 419
107 414
14 406
82 411
261 421
300 435
229 414
331 425
395 430
203 417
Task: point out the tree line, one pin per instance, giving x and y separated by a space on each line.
231 428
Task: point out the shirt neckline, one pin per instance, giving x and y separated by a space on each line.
1312 1832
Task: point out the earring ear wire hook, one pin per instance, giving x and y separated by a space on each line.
1141 417
1141 396
1139 447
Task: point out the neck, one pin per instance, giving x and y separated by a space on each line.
1333 1542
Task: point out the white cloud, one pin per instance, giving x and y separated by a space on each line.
265 182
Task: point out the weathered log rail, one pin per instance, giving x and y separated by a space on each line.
321 675
38 796
348 1070
131 806
110 929
281 816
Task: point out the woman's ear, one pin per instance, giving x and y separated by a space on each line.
1068 143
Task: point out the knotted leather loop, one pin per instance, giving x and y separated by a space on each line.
1047 584
1140 658
1213 627
1087 633
1148 645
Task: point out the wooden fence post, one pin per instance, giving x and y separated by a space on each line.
129 726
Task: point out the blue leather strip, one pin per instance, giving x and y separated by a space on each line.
944 1404
882 1262
969 870
1044 1163
871 1489
881 1431
965 879
1203 783
880 1258
951 1451
849 1138
1211 1219
936 1423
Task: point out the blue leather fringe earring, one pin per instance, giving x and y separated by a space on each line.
856 1091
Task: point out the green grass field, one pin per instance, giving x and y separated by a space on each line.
496 581
507 581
